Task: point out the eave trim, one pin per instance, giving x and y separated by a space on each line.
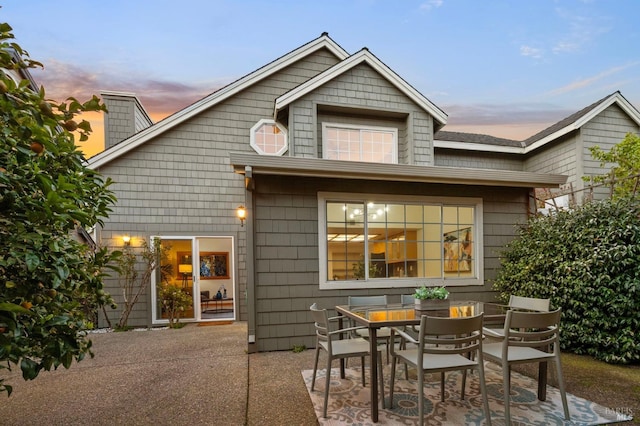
320 168
363 56
226 92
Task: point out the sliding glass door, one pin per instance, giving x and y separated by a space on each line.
201 268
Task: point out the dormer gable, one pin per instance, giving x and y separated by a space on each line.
366 57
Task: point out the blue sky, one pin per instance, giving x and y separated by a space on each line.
503 67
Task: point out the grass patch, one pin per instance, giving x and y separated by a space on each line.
616 387
299 348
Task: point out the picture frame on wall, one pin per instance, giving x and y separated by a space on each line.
214 265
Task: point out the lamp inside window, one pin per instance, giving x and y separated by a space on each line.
185 268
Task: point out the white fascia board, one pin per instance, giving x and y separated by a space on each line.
615 98
216 97
550 138
465 146
356 59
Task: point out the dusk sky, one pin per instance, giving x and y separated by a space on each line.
507 68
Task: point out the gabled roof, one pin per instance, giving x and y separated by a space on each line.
459 140
476 142
579 119
322 42
363 56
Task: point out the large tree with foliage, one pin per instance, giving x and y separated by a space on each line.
49 281
624 159
587 261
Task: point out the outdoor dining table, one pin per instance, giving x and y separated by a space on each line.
399 315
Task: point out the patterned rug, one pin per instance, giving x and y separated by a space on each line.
349 402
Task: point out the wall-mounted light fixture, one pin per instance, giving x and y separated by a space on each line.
241 212
126 240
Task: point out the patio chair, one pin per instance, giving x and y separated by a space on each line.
529 337
520 303
384 333
338 349
407 299
443 344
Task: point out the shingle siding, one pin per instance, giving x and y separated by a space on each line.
557 157
363 91
605 130
287 292
570 155
477 160
181 183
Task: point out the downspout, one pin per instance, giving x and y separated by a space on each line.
250 260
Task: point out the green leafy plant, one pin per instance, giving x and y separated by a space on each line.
430 293
624 161
174 303
50 283
299 348
134 284
586 261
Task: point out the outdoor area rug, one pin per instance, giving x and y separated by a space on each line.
349 402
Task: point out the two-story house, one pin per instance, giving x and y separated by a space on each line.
348 184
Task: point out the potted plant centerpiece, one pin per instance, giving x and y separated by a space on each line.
431 297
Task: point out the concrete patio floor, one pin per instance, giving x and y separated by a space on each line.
198 375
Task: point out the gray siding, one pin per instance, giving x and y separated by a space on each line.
478 160
124 118
570 154
364 91
557 157
181 183
605 130
287 268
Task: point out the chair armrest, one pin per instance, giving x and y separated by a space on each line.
493 332
345 330
339 317
403 334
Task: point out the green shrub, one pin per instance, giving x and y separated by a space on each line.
587 261
174 303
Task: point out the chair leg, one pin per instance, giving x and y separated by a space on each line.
315 367
394 362
402 346
483 389
420 395
327 385
442 386
381 381
362 369
563 395
388 343
506 378
464 383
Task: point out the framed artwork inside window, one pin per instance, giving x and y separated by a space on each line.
213 265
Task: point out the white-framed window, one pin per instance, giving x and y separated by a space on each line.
357 143
382 241
269 138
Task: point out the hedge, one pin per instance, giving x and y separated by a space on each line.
587 261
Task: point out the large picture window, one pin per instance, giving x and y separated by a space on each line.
369 241
352 143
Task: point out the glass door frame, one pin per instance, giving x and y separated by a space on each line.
195 278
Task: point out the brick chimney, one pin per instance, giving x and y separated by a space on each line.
125 118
